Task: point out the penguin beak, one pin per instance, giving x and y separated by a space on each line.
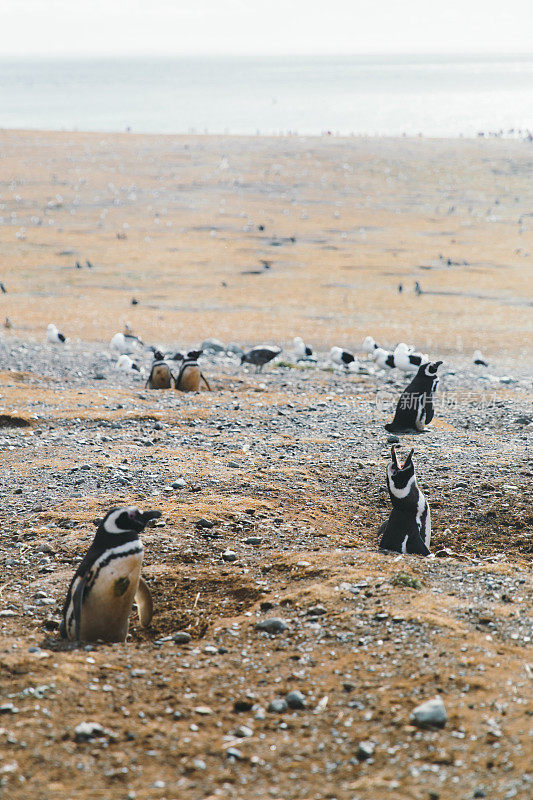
409 459
394 456
147 516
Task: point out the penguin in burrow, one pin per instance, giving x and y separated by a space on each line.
108 580
408 528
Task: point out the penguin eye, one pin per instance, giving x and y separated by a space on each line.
132 514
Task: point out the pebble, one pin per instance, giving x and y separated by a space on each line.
199 763
242 705
8 708
277 706
86 731
234 754
181 483
393 439
365 750
203 710
253 540
316 611
182 637
229 555
243 732
295 699
213 345
272 625
431 714
233 464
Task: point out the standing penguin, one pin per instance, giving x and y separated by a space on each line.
101 594
160 376
415 407
190 377
408 529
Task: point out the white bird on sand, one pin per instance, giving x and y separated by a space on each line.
369 345
479 361
125 364
340 357
383 359
406 359
125 343
302 351
53 335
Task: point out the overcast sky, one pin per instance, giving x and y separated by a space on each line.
257 27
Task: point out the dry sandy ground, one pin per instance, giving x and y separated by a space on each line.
288 466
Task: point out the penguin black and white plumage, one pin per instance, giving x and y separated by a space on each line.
302 351
190 377
260 355
408 528
125 364
108 580
160 376
340 357
383 359
54 336
415 407
479 361
125 343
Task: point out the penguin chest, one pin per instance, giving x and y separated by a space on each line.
160 378
109 599
190 379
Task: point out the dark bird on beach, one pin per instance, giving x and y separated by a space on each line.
8 324
260 355
400 288
418 288
134 301
89 264
3 288
479 361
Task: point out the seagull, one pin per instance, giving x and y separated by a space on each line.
125 364
343 358
125 343
53 335
302 351
260 355
407 360
383 358
369 345
479 361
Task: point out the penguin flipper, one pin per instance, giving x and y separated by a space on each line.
205 382
144 602
77 604
416 545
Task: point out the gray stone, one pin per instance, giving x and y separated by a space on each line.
295 699
365 750
316 611
86 731
182 637
272 625
277 706
181 483
212 345
234 754
431 714
393 439
243 732
229 555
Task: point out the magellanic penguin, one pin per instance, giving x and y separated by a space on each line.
260 355
53 335
415 407
190 378
101 594
160 376
408 529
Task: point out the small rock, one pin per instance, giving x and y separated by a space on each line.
393 439
86 731
8 708
233 464
181 483
234 754
243 705
365 750
203 710
199 763
204 523
295 699
272 625
316 611
277 706
243 732
213 345
158 426
253 540
229 555
431 714
182 637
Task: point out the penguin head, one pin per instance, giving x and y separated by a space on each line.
194 354
158 355
399 475
126 519
429 370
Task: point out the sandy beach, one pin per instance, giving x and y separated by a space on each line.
259 240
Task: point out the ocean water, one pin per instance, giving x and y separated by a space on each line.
444 96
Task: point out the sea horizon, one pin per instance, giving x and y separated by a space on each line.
433 95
